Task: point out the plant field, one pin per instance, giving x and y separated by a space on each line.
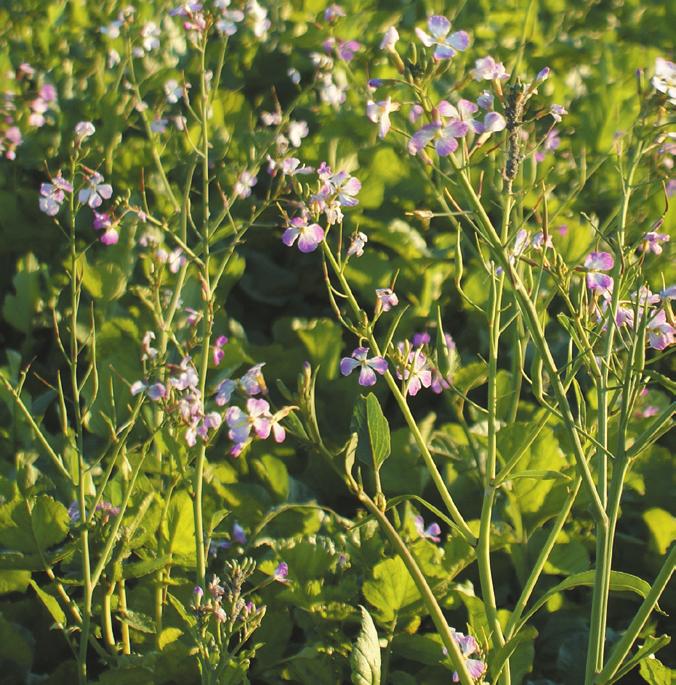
335 342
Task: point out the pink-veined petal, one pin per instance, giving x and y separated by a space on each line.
310 238
378 364
367 377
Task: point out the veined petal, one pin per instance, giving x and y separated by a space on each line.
459 40
457 129
310 238
444 51
367 376
378 364
289 236
438 26
348 365
445 144
425 38
494 122
421 138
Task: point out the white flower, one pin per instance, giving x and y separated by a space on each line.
664 79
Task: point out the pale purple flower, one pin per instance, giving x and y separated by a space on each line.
493 123
252 382
281 572
258 18
159 125
224 391
539 242
214 588
357 244
174 259
487 69
291 166
149 352
218 352
238 534
420 339
379 113
240 429
157 392
83 130
245 182
446 45
308 235
668 293
173 91
468 646
415 113
187 376
150 35
259 417
652 242
595 263
345 50
599 261
664 79
417 372
94 193
431 533
543 75
551 143
445 137
485 100
387 298
333 12
389 39
368 367
53 194
294 75
557 112
297 131
661 334
346 187
226 24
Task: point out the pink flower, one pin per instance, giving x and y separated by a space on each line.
53 194
333 12
218 352
652 242
357 244
661 334
386 298
281 572
368 367
417 372
252 382
308 235
431 533
557 112
468 646
487 69
446 46
597 282
389 40
97 191
224 391
379 113
245 182
83 130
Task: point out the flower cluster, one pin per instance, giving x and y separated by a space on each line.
334 191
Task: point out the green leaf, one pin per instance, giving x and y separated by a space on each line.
138 621
619 581
14 581
365 656
373 429
180 525
18 310
654 672
662 526
50 522
497 659
51 604
390 589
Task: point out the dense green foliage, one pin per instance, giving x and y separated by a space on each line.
297 502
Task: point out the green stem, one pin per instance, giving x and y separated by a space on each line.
404 408
420 581
624 644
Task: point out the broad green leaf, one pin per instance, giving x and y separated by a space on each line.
662 526
50 522
390 589
373 430
137 620
18 310
14 581
365 655
51 604
180 525
654 672
497 659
